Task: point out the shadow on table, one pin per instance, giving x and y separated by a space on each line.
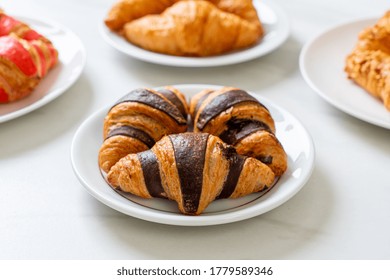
279 234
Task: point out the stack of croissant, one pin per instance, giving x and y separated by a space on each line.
187 28
25 58
220 145
369 63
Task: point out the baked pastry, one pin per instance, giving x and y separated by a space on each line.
138 120
369 63
25 58
187 28
192 169
239 120
124 11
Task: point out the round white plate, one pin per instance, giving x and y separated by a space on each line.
322 62
294 137
276 27
71 63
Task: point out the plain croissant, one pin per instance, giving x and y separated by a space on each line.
193 28
192 169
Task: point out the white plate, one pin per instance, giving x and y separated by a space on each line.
291 133
322 62
276 27
71 63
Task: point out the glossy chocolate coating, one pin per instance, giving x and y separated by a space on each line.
171 96
151 99
238 129
236 163
222 102
200 101
190 158
133 132
151 173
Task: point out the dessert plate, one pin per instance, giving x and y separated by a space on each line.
276 27
294 137
322 63
71 63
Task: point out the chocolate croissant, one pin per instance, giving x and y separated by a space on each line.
369 63
192 169
138 120
239 120
25 58
193 28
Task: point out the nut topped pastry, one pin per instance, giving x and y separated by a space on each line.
369 63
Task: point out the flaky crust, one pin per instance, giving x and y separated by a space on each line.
241 121
217 172
192 28
25 58
369 63
135 124
187 28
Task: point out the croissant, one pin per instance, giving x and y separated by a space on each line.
239 120
25 58
125 11
193 28
192 169
369 63
138 120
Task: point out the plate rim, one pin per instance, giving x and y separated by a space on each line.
213 61
54 93
306 75
205 220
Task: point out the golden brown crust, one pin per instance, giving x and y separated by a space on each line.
128 176
369 63
127 10
16 84
25 58
115 148
246 125
265 147
216 169
141 122
192 28
217 164
187 28
253 178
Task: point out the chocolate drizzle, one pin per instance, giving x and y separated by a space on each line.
236 163
190 158
238 129
151 99
221 103
133 132
151 173
171 96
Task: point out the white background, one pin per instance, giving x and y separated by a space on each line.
342 213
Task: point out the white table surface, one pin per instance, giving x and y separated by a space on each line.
343 212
